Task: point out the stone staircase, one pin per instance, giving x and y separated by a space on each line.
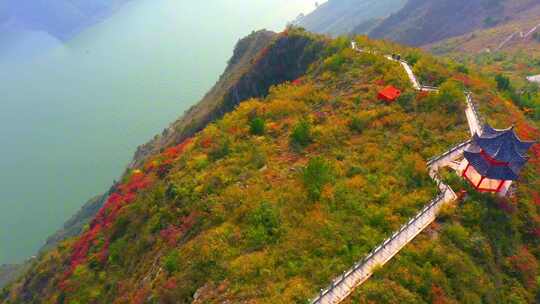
342 286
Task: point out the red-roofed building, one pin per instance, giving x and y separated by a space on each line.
389 94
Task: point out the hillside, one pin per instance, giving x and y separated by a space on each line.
272 200
422 22
337 17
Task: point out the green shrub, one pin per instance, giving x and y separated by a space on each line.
406 100
316 175
301 135
357 124
449 97
335 62
116 251
219 151
412 58
265 226
258 158
503 82
462 69
257 126
171 262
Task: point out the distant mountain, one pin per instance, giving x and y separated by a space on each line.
337 17
422 22
520 34
59 18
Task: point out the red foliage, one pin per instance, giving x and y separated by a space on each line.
380 82
106 216
138 181
526 131
206 142
104 219
297 82
526 265
464 79
421 95
536 198
438 295
536 232
536 151
172 234
177 150
140 296
170 284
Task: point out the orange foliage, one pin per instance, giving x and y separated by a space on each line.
466 80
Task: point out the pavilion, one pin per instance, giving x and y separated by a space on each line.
494 160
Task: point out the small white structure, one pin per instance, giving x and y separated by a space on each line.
534 78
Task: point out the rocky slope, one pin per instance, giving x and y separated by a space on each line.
336 17
271 201
520 34
425 21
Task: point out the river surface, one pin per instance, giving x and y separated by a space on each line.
72 114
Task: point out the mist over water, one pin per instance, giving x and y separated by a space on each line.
71 115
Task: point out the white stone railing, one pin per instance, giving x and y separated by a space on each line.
474 119
345 284
450 155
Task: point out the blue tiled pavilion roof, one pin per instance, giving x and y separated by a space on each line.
501 145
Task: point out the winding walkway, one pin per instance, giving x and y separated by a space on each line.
521 35
342 286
